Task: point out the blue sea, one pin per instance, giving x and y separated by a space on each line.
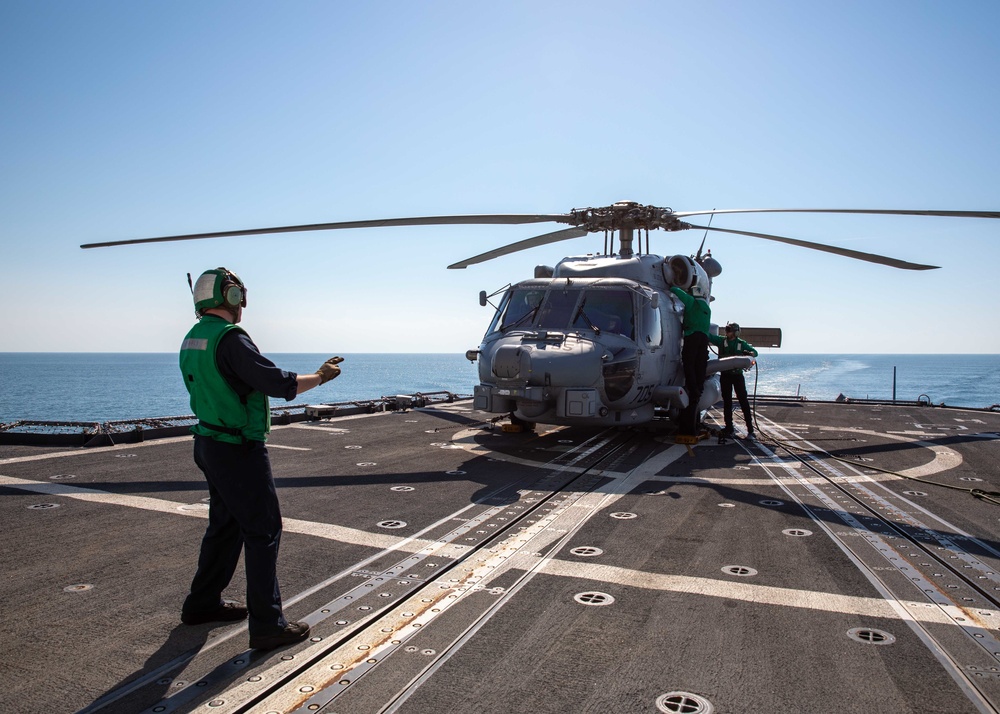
73 386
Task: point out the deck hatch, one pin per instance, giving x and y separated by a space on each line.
683 703
871 636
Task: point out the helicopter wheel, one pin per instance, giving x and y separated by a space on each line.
520 425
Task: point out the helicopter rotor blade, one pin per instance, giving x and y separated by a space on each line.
870 211
485 219
555 237
847 253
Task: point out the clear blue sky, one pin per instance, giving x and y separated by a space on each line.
135 119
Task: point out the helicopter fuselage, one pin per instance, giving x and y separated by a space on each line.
596 340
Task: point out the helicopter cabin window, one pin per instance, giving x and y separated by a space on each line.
520 309
610 311
652 326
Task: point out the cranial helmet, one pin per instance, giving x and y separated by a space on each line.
219 288
735 327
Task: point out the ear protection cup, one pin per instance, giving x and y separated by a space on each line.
233 294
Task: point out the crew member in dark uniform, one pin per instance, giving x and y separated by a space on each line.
732 346
694 356
229 382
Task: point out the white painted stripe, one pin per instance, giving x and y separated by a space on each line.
746 592
326 531
290 448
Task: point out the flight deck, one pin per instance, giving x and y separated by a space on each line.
846 561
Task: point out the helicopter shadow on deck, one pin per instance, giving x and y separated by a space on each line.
981 546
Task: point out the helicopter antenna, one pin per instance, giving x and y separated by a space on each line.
710 217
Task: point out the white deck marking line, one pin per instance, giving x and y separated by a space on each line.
762 594
327 531
291 448
944 458
85 451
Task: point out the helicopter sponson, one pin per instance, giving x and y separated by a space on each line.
596 340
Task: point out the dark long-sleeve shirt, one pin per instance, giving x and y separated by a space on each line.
246 369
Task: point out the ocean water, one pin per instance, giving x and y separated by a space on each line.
107 387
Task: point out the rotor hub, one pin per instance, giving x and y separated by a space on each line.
626 215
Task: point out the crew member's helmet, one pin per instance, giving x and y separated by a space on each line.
733 327
219 288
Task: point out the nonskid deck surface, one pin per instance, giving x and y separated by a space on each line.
446 566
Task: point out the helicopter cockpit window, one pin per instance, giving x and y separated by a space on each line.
611 311
521 309
558 309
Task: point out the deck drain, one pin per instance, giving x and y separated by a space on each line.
586 551
741 570
78 588
624 515
455 473
727 505
683 703
43 506
870 636
352 446
797 532
915 493
771 502
741 468
392 524
367 463
402 489
61 476
594 598
969 478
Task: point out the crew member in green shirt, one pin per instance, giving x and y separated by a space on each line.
732 346
694 353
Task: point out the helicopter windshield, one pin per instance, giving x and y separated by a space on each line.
604 310
521 308
610 311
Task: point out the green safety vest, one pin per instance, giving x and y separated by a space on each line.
222 414
697 313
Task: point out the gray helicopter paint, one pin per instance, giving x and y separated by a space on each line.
575 372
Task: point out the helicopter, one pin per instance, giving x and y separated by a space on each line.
596 339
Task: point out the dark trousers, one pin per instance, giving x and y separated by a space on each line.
694 359
243 516
733 380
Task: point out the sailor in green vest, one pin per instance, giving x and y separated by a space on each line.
694 355
732 379
229 382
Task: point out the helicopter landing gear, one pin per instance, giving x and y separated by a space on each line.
689 440
517 426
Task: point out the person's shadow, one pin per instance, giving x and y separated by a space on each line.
158 675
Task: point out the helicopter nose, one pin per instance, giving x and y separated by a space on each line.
568 363
509 361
